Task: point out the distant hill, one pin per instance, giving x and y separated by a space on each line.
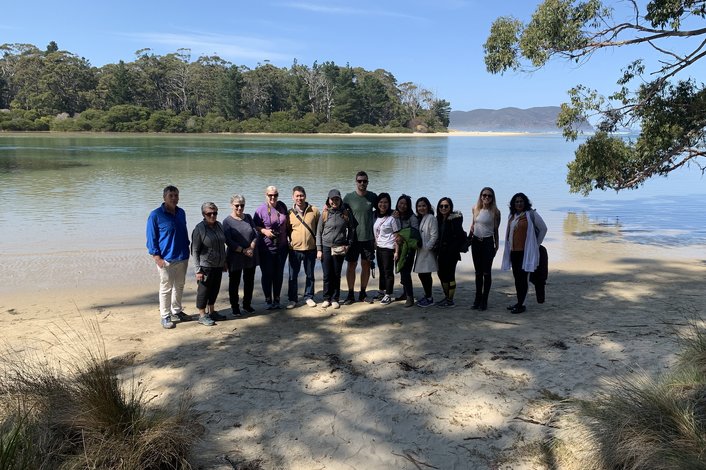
540 119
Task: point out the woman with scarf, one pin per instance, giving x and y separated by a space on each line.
525 232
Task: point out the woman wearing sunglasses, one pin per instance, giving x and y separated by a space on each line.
484 244
241 239
208 248
271 223
452 239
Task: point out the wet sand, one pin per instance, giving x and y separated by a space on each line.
371 386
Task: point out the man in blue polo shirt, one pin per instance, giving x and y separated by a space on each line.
168 243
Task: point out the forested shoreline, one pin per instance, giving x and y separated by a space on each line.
56 90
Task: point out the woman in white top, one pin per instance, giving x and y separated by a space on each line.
384 230
484 244
425 263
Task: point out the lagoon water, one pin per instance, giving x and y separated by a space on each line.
76 193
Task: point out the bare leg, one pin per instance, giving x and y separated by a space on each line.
364 274
350 275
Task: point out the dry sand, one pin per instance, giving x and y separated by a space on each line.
374 387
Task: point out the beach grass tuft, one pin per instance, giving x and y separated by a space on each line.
640 421
76 411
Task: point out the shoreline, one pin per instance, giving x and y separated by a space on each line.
450 133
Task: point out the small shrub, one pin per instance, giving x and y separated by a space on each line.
84 416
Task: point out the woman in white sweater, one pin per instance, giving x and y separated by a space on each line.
425 263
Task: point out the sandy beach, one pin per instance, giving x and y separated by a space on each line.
370 386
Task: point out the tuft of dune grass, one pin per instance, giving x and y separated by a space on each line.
638 421
74 412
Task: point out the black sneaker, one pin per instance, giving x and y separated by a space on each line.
215 316
181 317
235 311
248 309
363 297
350 300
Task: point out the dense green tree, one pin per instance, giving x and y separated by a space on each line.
52 47
659 99
230 93
120 86
206 76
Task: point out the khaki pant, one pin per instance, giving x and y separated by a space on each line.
171 287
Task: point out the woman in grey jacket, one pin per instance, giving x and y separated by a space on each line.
208 248
334 235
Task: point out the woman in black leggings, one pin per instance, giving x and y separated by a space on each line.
484 244
451 240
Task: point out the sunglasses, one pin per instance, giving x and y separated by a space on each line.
210 214
444 206
238 205
362 181
489 196
273 195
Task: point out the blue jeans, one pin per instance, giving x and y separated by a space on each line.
296 258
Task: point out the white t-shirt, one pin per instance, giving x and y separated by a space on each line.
384 230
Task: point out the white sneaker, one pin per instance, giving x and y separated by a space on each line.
326 304
291 305
310 302
335 304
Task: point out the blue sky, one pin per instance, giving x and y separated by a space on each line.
437 44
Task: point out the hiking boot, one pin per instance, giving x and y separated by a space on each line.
180 317
167 323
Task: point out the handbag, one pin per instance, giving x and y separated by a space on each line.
338 250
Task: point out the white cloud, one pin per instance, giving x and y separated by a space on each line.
226 46
345 10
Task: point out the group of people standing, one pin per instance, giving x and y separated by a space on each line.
360 227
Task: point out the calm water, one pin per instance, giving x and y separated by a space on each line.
74 193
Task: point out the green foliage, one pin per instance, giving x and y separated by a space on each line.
669 115
334 127
172 93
